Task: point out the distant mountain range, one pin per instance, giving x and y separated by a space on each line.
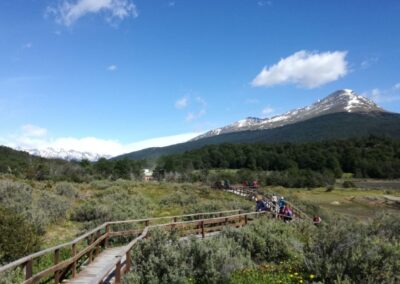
343 114
69 155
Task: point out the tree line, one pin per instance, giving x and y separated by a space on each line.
22 164
371 157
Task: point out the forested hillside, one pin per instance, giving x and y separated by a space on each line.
328 127
319 162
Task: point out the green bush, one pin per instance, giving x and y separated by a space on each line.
213 260
266 240
12 276
66 189
112 204
91 211
38 209
16 196
159 260
101 184
348 184
55 207
179 198
17 237
164 259
358 253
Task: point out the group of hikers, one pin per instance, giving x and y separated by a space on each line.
280 208
276 205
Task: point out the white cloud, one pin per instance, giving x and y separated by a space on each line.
267 111
30 130
112 68
369 62
304 69
384 96
202 109
182 103
34 137
68 12
197 110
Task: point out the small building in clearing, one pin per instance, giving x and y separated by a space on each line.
147 175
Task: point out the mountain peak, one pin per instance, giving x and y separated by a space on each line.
344 100
349 101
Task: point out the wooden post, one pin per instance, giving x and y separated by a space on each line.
128 261
98 235
74 263
175 219
118 273
90 241
28 269
202 229
108 236
56 261
245 219
146 223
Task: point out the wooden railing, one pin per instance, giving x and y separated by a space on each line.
88 246
252 193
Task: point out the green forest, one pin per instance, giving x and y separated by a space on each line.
290 165
294 165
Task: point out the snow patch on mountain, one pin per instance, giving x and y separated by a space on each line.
344 100
68 155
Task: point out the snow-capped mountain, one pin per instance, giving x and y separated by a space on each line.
340 101
64 154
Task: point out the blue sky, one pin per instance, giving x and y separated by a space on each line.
108 75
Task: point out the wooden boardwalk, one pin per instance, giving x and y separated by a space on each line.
92 261
102 269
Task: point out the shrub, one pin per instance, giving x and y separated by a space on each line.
330 188
174 261
15 196
266 240
348 251
160 260
101 184
55 207
17 238
91 211
66 189
213 260
348 184
12 276
181 199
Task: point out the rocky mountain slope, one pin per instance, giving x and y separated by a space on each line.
340 101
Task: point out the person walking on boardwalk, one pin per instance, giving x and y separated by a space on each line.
287 213
260 204
317 220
